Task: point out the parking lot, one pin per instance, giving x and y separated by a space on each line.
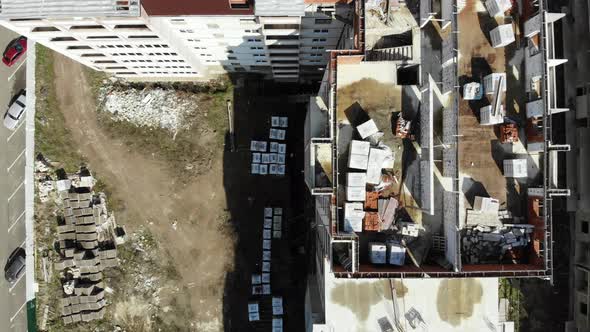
12 202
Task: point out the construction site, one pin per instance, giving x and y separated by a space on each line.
429 145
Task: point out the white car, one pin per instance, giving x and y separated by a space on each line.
15 111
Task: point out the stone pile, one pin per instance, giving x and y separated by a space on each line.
154 108
488 245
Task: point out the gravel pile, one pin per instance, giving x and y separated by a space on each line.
154 108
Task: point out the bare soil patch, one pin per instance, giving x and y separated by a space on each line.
171 194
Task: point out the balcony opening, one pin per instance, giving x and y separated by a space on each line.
45 29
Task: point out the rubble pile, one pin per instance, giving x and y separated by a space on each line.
154 108
489 245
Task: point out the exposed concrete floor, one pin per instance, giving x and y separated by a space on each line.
480 153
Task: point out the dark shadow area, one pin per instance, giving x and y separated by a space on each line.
356 115
410 103
472 188
255 101
498 153
487 24
410 165
387 41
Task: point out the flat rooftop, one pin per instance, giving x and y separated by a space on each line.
188 8
433 304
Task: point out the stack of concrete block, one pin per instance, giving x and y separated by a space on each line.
87 246
377 253
269 157
359 154
356 184
272 229
353 217
253 312
488 245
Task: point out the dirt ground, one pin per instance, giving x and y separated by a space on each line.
200 245
477 59
194 213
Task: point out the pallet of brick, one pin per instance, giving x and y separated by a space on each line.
371 201
371 222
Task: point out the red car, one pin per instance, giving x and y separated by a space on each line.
14 51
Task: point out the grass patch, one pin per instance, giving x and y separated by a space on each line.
52 138
217 116
510 290
95 80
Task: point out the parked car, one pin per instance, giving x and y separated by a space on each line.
15 111
14 51
15 267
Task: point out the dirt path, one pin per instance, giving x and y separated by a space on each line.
200 247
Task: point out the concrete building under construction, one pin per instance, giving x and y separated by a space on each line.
452 197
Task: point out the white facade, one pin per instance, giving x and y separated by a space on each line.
123 46
188 46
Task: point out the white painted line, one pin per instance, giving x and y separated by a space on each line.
14 162
17 68
16 221
16 130
16 282
14 193
19 309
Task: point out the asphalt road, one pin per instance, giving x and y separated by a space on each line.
12 193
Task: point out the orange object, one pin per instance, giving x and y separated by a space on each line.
371 200
371 222
508 133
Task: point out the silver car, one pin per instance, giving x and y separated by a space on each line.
15 111
15 267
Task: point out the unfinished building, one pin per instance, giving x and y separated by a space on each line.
411 175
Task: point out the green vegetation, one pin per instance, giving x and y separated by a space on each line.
52 138
510 290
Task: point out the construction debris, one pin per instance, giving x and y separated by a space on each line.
489 245
154 108
402 126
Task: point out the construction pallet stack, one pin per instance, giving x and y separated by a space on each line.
261 285
271 162
87 241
